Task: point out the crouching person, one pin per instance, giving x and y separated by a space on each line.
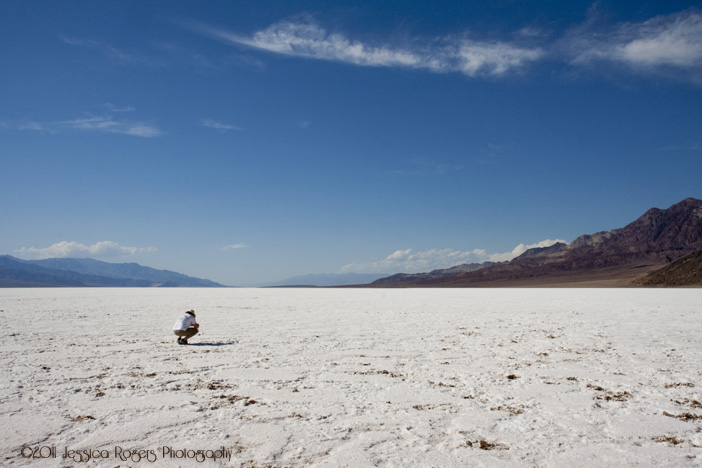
186 327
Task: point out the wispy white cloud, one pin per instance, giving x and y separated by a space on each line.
73 41
31 126
35 126
64 249
108 125
670 44
235 247
304 38
105 124
109 51
426 166
219 125
532 32
407 261
112 108
496 58
656 45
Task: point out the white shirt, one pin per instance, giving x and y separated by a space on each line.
185 322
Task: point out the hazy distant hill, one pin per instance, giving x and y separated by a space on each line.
329 279
77 272
655 239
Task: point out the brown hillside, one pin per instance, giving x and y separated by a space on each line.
686 271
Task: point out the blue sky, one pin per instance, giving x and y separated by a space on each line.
250 141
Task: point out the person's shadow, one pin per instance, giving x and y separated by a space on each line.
221 343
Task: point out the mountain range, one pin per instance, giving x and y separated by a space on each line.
434 274
609 258
326 279
663 247
78 272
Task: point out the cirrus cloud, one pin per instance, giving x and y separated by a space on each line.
65 249
103 124
305 39
219 125
108 125
663 44
235 246
670 44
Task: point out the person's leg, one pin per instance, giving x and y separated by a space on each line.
181 334
190 332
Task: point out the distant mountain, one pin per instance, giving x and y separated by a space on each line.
77 272
434 274
655 239
686 271
329 279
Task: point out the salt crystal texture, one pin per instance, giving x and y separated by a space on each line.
356 377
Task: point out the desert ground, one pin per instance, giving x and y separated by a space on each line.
352 378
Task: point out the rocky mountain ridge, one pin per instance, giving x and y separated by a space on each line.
655 239
434 274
